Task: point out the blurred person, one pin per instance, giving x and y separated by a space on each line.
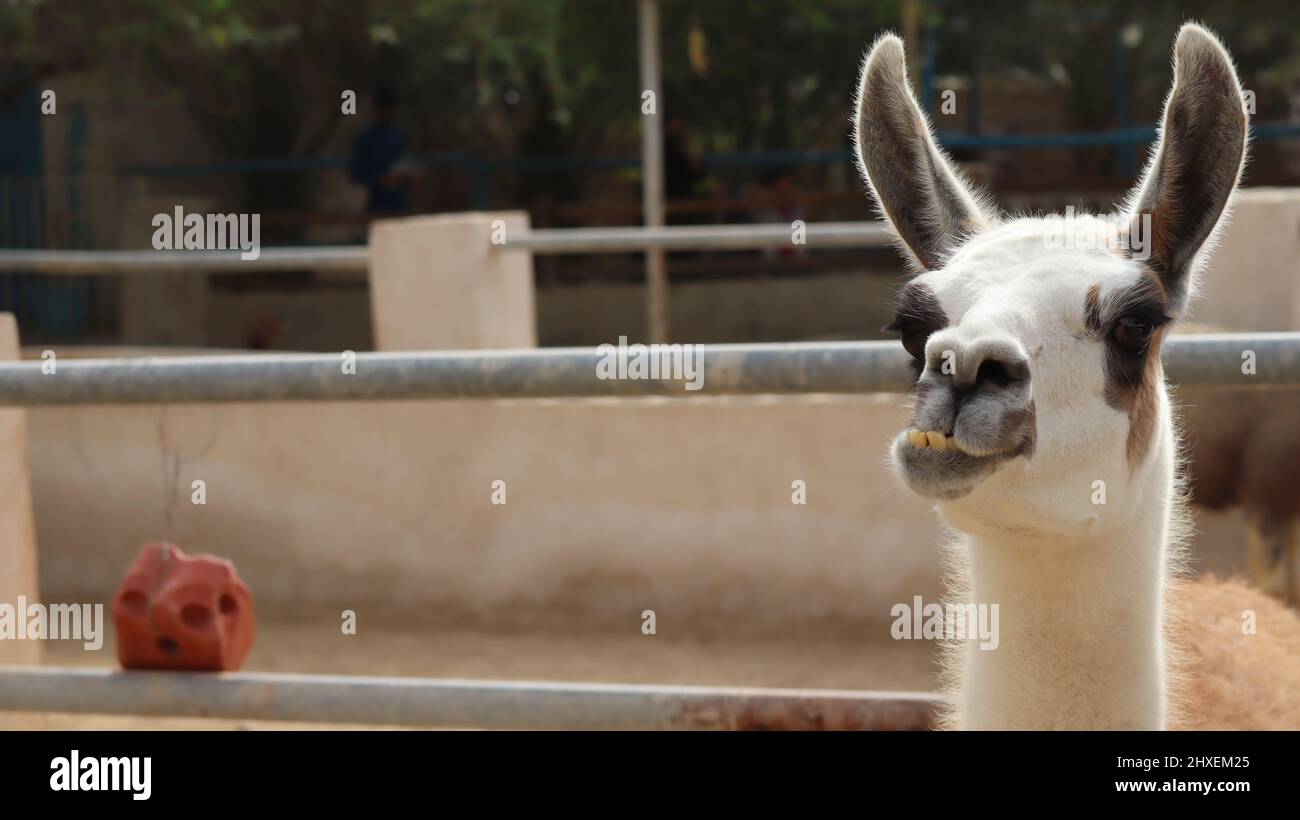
377 158
683 172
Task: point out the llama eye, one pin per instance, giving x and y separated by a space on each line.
914 343
913 333
1133 332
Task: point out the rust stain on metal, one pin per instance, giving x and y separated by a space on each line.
818 714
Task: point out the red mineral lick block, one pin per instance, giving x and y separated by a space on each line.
178 611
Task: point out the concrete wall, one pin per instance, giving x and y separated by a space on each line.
612 506
841 303
1253 279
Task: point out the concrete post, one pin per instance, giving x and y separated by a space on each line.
1253 279
18 575
444 283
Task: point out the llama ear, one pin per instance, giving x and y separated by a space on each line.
925 199
1196 164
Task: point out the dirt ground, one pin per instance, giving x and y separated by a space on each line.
824 656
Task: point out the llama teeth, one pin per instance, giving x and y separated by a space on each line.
932 440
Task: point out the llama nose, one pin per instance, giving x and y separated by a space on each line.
980 365
976 392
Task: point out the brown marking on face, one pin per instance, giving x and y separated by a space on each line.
1132 376
1143 411
1092 309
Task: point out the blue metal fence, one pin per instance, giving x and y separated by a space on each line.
48 308
483 169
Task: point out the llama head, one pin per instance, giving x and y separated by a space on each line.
1036 341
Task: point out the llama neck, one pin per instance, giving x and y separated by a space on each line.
1081 640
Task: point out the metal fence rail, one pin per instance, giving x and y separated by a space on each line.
455 703
752 369
701 238
351 258
357 257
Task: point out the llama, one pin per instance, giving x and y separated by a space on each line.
1042 427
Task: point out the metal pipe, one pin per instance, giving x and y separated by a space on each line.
351 258
744 369
543 373
484 704
357 257
652 169
701 237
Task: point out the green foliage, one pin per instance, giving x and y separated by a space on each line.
506 78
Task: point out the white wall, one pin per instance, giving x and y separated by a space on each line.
612 506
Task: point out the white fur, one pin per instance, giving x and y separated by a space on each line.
1059 566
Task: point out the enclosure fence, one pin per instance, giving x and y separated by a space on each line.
537 241
481 704
730 370
1214 361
